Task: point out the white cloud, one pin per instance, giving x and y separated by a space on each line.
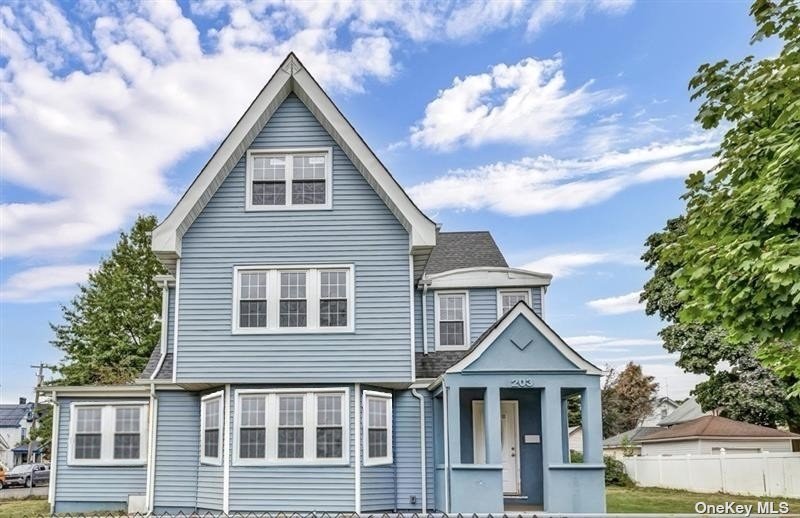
44 283
601 342
525 102
564 265
627 303
537 185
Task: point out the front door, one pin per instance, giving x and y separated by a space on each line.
509 439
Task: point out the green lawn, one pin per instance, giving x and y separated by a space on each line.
619 500
656 500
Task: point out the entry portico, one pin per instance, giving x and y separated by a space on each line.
501 420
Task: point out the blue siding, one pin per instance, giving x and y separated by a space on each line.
407 449
86 488
360 230
482 311
177 449
294 488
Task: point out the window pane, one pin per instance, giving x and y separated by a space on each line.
329 443
308 192
126 446
253 313
290 411
252 443
269 168
293 285
293 313
451 333
212 413
378 445
329 410
308 167
511 299
253 285
127 420
87 446
89 420
451 307
290 443
253 412
333 285
211 443
376 409
269 193
333 313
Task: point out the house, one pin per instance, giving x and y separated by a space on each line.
662 408
15 420
327 347
711 435
575 435
686 411
626 444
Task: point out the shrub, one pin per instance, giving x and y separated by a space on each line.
615 473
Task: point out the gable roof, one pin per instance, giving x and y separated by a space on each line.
11 415
634 436
686 411
521 309
456 250
716 426
290 77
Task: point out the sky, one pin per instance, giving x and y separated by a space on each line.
564 128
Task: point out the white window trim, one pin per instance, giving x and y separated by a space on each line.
288 153
312 296
506 291
213 461
309 427
108 423
466 321
387 396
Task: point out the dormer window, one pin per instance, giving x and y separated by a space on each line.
288 179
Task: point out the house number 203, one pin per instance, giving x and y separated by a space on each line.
521 382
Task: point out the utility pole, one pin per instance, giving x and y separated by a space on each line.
39 381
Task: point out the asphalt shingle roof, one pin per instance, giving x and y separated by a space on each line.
10 415
455 250
717 426
166 368
686 411
634 436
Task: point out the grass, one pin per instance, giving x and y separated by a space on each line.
657 500
619 500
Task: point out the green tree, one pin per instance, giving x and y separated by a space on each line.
111 327
627 398
745 390
740 252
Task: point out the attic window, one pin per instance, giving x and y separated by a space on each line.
288 179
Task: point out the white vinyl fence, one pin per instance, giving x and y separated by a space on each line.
757 474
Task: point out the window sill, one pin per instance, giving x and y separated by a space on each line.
378 462
278 208
106 463
293 331
452 348
239 463
216 463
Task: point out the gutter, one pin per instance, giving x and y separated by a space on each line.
422 449
424 283
51 490
151 451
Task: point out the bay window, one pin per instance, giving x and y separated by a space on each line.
293 299
288 179
291 426
106 434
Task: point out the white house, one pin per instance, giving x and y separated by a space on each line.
663 407
14 426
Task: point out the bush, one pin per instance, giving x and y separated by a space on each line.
615 473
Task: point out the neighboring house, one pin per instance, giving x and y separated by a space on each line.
627 443
327 348
662 408
713 435
14 427
21 453
575 435
686 411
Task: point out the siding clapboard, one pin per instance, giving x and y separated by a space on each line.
407 449
359 229
177 449
90 485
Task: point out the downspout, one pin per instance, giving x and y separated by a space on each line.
51 491
424 317
357 423
164 327
422 449
151 450
446 451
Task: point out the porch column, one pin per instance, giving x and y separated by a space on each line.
453 424
565 429
591 425
491 424
552 444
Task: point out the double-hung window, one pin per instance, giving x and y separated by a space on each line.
377 428
289 179
211 412
507 299
297 426
451 320
293 299
102 434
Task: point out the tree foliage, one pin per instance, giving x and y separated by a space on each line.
627 398
745 390
739 256
111 327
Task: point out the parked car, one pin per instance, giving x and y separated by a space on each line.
27 475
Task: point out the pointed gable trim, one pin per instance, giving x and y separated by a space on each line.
525 311
290 77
